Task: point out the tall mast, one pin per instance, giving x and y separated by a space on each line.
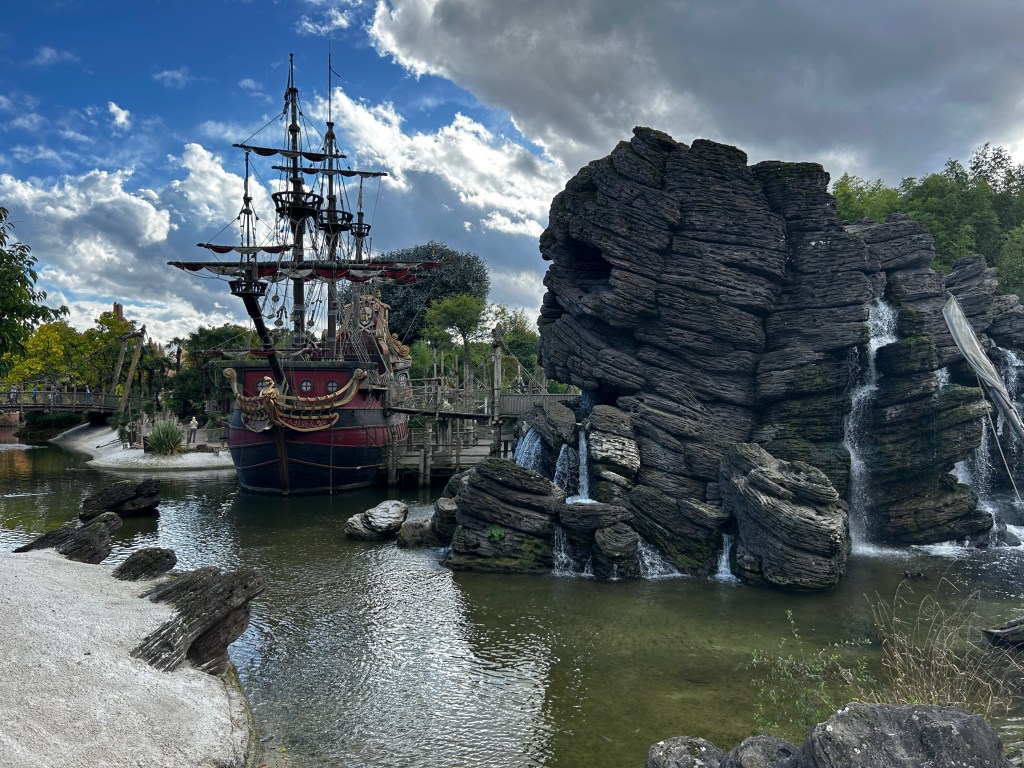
298 223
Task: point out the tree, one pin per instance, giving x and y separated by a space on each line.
1010 264
195 380
520 338
857 199
462 315
21 307
459 273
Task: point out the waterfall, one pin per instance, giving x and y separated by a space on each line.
976 470
652 564
562 565
943 377
583 492
563 470
881 331
724 573
528 450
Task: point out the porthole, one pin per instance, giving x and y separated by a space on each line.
332 386
306 386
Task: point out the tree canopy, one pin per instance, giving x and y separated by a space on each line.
460 273
977 209
21 304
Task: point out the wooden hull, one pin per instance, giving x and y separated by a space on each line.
351 453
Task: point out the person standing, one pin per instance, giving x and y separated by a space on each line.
192 427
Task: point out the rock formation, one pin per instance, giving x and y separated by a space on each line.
126 499
700 303
378 523
857 736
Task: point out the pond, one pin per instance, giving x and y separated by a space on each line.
372 655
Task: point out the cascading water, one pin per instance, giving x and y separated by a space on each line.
528 450
563 469
652 564
881 331
583 491
724 573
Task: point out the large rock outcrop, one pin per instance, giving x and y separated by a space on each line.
700 303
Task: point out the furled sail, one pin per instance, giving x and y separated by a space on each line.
991 382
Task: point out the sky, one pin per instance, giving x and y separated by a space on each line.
117 117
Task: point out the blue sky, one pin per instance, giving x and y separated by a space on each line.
117 118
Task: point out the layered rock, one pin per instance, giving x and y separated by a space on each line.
707 304
791 526
378 523
505 517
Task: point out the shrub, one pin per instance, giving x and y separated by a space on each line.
166 438
797 688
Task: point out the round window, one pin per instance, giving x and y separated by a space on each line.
332 386
306 386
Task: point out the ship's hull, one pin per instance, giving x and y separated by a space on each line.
350 453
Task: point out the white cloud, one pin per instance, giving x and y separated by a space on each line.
122 117
248 84
46 56
173 78
329 21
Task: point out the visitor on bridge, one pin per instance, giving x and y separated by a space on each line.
35 393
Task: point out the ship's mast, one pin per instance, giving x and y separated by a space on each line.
297 221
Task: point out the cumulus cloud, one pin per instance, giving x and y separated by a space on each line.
907 84
122 117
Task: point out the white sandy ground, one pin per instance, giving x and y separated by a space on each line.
103 445
72 696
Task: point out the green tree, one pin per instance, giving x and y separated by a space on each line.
195 379
459 273
520 339
1010 263
857 199
461 316
21 307
957 210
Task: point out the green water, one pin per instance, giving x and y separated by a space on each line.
371 655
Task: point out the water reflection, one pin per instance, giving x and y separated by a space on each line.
371 655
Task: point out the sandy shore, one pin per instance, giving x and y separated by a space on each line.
74 696
103 445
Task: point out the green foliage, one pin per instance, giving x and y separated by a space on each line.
41 423
196 380
21 305
798 688
166 438
929 655
459 273
495 532
857 199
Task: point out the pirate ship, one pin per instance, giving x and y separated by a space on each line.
313 402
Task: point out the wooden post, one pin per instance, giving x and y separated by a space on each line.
392 465
131 371
458 445
496 353
427 457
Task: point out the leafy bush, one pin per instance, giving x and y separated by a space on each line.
797 689
166 438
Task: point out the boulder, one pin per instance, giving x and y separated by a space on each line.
506 516
684 752
887 736
762 752
378 523
88 543
146 563
791 526
126 498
